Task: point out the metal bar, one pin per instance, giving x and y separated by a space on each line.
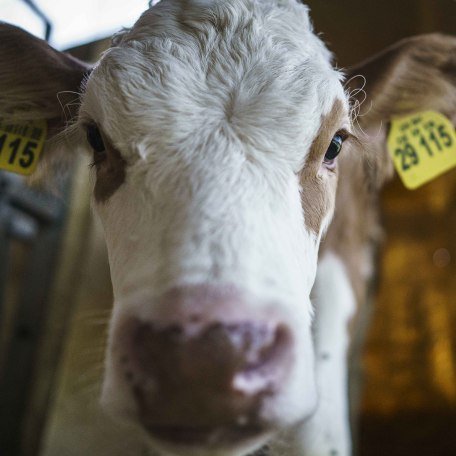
4 248
18 369
42 16
17 374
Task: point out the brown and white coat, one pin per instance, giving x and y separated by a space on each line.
211 123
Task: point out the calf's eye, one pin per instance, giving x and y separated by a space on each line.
95 140
334 149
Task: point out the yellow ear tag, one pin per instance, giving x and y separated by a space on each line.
422 147
21 144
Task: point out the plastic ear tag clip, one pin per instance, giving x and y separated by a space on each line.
21 144
422 146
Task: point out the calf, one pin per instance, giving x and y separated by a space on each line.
224 142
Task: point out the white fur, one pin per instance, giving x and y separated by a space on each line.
335 304
327 431
215 118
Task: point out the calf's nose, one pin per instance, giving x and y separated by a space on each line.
203 377
220 357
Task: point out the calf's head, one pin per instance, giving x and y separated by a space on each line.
213 128
210 123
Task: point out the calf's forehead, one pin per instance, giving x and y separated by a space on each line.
252 69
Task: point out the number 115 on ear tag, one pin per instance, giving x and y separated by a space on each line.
422 146
21 143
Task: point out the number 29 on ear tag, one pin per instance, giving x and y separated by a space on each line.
422 146
21 143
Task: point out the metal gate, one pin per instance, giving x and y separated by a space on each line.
31 222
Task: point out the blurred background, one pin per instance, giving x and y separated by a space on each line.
55 292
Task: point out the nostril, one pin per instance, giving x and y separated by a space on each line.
154 350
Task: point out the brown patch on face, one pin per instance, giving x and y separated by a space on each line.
354 227
110 172
319 185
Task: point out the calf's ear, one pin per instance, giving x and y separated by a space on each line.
38 82
415 74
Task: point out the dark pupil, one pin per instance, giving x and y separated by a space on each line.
334 148
94 138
